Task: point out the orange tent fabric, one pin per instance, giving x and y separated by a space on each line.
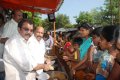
42 6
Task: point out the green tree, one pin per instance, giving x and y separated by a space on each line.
108 14
98 16
111 12
36 17
84 17
47 25
62 21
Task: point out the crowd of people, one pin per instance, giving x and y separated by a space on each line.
94 52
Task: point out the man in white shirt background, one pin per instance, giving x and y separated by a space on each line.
50 39
9 29
2 73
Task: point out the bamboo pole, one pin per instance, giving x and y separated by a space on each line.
54 37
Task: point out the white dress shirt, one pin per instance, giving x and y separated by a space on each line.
9 29
38 51
49 42
17 58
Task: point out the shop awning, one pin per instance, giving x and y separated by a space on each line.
42 6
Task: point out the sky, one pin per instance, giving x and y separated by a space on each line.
72 8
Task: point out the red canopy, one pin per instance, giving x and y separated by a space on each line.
42 6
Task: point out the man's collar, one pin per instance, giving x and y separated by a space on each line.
14 21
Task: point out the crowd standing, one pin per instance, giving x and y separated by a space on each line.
91 54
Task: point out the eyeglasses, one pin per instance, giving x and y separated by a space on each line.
27 30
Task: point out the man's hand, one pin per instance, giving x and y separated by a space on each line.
48 67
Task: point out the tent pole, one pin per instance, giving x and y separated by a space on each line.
54 37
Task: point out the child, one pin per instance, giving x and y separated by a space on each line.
72 52
109 54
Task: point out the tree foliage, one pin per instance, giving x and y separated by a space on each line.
111 11
108 14
62 21
36 17
47 25
84 17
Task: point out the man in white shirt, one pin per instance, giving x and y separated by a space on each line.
37 47
10 28
19 63
50 40
16 54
